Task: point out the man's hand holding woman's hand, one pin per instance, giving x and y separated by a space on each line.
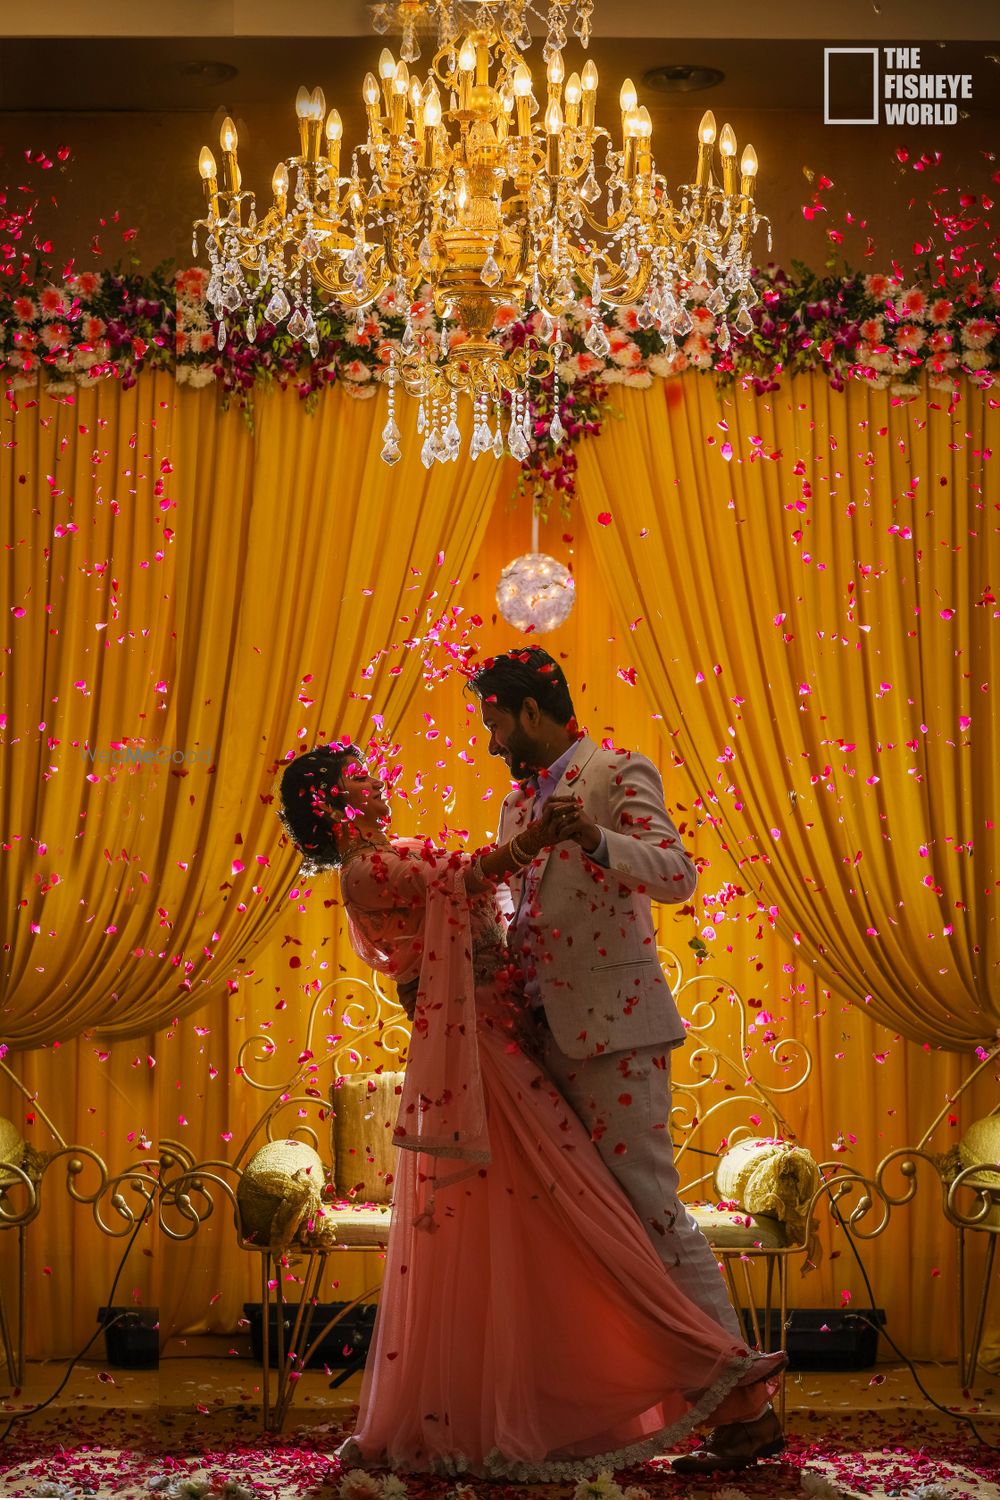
563 819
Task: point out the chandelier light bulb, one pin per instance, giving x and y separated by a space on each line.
401 80
370 89
727 141
556 72
386 65
303 102
334 126
553 118
228 139
432 110
522 81
416 96
628 98
589 80
748 165
574 91
467 56
631 123
206 163
279 182
643 124
706 130
318 103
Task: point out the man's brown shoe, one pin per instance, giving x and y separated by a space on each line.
738 1445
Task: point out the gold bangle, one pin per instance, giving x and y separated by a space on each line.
518 853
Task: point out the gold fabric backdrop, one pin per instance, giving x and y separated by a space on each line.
276 591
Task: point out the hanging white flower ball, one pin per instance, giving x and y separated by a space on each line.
535 593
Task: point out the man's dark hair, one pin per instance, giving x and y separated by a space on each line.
309 785
528 672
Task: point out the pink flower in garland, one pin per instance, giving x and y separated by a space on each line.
939 341
978 333
941 310
24 309
878 286
192 282
85 284
505 316
909 338
357 370
872 330
53 302
94 329
56 335
913 304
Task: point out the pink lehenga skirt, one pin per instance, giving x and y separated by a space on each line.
527 1329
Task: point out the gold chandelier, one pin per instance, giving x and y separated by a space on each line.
468 185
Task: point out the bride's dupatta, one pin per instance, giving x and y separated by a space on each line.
441 1112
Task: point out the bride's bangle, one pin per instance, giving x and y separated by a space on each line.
518 853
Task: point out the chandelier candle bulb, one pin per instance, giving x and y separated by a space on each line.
207 168
574 93
706 145
727 150
553 129
627 98
522 98
229 140
644 134
748 168
334 135
589 85
279 187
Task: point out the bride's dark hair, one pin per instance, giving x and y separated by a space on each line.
309 785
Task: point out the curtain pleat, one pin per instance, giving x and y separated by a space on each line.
812 570
223 599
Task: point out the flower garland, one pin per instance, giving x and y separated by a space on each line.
873 327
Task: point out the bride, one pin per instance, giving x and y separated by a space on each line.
527 1329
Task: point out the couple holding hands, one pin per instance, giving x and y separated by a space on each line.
549 1307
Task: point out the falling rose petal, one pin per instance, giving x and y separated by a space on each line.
238 867
727 450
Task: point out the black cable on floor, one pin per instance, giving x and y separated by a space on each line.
33 1411
873 1322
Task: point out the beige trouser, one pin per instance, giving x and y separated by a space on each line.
623 1098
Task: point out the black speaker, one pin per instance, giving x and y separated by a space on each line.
345 1347
823 1338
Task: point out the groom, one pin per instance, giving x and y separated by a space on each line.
581 929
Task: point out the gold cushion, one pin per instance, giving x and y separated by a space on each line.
980 1146
280 1198
364 1119
772 1178
725 1229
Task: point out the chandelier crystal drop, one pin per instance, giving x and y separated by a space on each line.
479 189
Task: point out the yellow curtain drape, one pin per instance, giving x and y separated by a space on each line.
811 571
870 1090
189 589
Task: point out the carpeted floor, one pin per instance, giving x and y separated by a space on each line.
195 1430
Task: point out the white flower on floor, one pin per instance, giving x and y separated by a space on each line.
50 1487
393 1488
234 1490
357 1485
819 1487
636 1492
186 1488
731 1493
928 1492
462 1492
603 1487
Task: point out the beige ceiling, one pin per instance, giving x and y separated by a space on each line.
896 21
